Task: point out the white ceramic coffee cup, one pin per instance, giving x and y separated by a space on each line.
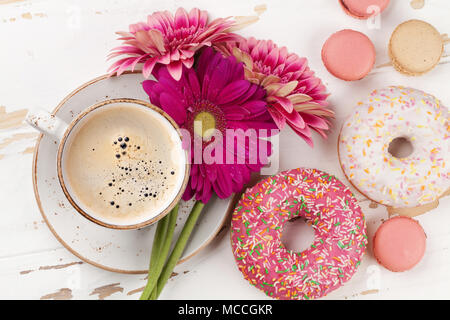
49 124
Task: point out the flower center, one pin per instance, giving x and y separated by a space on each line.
204 124
204 118
178 37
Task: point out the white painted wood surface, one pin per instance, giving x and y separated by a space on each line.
49 47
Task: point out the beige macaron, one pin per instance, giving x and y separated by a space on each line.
415 47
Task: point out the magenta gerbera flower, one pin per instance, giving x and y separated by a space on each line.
216 95
294 94
170 40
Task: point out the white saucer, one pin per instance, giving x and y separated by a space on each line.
125 251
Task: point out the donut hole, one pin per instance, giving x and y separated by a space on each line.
400 147
297 235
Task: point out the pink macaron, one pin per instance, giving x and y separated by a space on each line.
348 55
399 244
363 9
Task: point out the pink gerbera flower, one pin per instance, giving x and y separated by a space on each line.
294 94
170 40
217 95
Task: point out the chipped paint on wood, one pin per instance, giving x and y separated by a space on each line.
417 4
105 291
28 150
61 294
53 267
174 274
374 291
27 16
60 266
260 9
26 271
17 137
12 119
135 291
10 1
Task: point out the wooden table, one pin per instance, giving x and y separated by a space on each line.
49 47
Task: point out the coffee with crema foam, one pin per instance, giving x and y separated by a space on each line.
120 163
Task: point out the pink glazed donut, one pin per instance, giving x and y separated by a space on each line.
331 209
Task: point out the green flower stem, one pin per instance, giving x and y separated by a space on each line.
179 247
154 293
161 245
158 239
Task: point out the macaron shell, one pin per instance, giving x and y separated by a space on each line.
399 244
348 55
415 47
361 9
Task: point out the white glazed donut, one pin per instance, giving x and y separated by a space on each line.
397 112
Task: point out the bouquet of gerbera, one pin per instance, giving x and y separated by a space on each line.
229 94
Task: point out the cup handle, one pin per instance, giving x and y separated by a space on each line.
46 123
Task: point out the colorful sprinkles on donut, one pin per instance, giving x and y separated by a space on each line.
386 115
333 212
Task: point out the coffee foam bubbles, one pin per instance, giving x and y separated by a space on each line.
120 166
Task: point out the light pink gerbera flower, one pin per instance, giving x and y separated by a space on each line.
170 40
217 95
294 94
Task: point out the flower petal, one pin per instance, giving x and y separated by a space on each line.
175 69
233 91
173 107
188 193
188 63
206 191
148 67
181 18
149 87
278 118
294 118
198 18
223 185
285 103
157 39
315 121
